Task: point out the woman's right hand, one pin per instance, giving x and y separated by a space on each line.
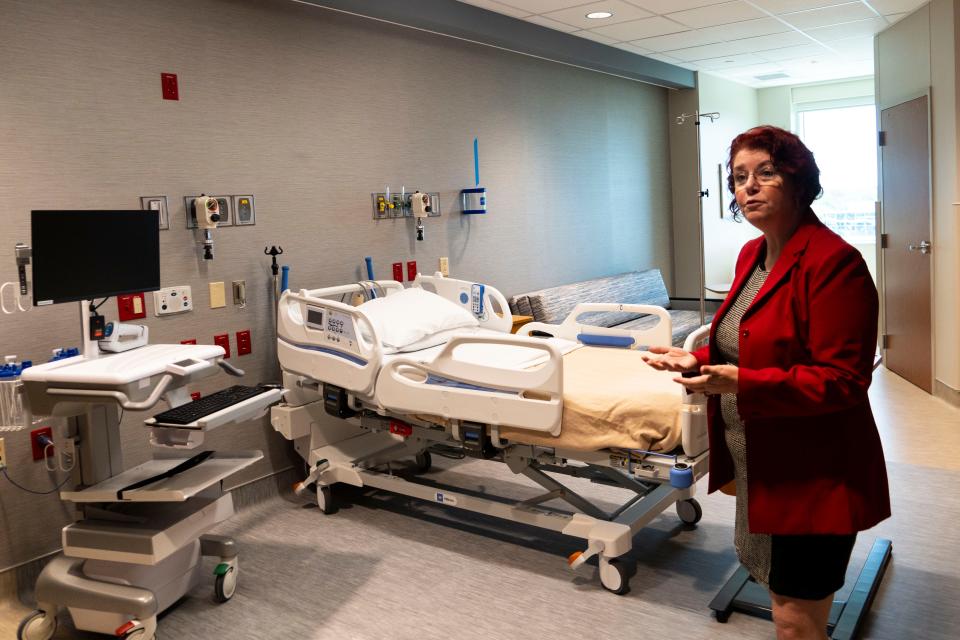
670 359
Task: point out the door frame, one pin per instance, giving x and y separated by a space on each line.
881 226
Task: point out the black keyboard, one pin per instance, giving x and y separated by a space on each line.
193 411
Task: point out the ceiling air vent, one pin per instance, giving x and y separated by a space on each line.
771 76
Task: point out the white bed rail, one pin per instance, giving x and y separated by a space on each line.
694 434
496 310
328 340
520 397
571 329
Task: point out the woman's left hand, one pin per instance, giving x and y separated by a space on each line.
713 379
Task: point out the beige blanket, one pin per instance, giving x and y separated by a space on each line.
612 399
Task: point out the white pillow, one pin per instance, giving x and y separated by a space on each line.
411 315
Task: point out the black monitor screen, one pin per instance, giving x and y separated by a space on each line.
82 255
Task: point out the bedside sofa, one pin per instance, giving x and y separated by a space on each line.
553 304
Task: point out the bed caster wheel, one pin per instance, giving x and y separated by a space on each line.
325 499
722 616
615 576
37 626
138 630
225 584
689 511
423 462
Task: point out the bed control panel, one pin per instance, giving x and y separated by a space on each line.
476 299
337 328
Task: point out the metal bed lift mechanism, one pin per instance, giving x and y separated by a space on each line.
350 418
137 545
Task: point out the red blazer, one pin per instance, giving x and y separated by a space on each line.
814 459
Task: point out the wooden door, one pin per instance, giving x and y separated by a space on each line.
905 198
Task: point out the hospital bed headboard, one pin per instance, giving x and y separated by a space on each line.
492 311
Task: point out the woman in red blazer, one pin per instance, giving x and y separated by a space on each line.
787 370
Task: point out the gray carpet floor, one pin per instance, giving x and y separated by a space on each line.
384 566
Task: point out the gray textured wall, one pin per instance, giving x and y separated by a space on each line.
310 110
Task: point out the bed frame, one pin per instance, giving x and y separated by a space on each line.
351 414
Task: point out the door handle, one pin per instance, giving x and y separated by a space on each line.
923 247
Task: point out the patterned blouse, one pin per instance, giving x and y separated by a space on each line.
753 549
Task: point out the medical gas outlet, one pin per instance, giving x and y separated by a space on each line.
399 204
420 204
206 210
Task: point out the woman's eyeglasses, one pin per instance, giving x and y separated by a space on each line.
765 174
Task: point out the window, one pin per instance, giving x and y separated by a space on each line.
843 141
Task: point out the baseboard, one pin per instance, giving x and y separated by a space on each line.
17 582
946 393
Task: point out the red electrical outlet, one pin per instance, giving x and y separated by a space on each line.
131 307
168 81
189 341
398 271
223 340
39 450
195 396
243 342
412 270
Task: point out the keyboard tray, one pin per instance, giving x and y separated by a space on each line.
176 489
241 412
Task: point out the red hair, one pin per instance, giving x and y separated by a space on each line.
791 158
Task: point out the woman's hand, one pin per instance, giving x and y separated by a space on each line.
670 359
713 379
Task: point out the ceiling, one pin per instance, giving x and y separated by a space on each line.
760 43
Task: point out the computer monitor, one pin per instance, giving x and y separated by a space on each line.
82 255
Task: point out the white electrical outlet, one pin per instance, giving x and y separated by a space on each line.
3 454
444 266
172 300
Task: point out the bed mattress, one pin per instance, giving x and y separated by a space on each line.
612 399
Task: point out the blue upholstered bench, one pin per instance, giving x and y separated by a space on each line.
553 304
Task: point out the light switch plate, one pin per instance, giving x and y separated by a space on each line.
218 297
172 300
240 292
157 203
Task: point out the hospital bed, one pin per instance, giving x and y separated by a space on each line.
542 403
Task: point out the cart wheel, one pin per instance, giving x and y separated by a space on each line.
689 511
722 616
37 626
423 462
139 630
614 576
325 499
225 585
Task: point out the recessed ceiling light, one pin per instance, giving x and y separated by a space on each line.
599 15
771 76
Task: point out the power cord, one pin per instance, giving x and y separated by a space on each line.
36 493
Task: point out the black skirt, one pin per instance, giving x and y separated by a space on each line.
809 567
